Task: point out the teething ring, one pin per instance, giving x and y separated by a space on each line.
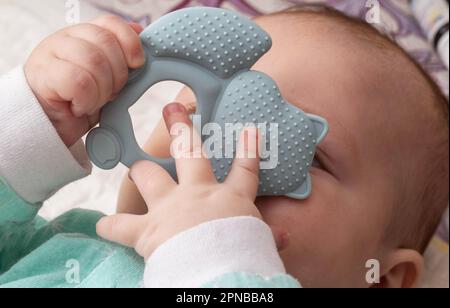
212 51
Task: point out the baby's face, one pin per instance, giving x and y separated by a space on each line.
328 238
331 236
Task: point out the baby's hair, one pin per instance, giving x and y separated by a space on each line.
421 206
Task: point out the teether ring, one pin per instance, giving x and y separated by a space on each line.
212 51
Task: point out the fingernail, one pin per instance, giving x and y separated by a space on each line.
139 58
136 27
174 108
252 132
248 143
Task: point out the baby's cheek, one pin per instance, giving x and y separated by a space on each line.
318 243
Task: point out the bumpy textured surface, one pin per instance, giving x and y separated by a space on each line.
218 39
253 97
212 51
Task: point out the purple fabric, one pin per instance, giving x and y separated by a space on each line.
405 25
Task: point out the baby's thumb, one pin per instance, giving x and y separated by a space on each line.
123 229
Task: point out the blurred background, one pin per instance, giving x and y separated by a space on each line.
420 26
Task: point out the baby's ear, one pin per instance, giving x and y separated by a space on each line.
321 126
402 268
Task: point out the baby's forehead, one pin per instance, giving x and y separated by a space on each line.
323 51
315 69
363 84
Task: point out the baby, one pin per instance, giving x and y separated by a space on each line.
47 106
381 176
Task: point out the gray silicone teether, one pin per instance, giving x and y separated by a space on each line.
212 51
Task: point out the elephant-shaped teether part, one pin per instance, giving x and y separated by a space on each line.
212 51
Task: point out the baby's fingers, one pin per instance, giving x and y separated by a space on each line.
127 37
123 229
107 42
92 59
244 175
71 83
136 27
152 181
191 163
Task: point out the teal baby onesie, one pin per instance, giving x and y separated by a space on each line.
67 253
64 253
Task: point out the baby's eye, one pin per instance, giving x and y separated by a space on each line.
322 163
317 164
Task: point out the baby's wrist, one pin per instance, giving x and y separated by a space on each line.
33 160
55 118
201 254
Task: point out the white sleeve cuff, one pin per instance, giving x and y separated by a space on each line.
208 251
34 161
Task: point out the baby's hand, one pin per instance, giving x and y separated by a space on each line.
198 198
75 71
